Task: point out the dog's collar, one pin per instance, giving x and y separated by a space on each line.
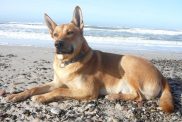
73 60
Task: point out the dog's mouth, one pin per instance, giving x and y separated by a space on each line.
69 50
63 47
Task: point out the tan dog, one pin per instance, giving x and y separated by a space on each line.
83 73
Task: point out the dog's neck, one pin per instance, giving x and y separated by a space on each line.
77 58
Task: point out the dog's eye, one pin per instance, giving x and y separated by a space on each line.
55 35
70 32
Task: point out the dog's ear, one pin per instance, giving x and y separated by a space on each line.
78 18
50 23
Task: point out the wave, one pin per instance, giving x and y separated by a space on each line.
92 39
132 41
23 26
39 25
95 35
137 30
152 31
24 23
24 35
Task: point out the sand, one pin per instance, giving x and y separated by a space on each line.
25 67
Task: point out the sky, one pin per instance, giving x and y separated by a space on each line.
122 13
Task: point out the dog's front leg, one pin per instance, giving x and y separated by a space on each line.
30 92
61 93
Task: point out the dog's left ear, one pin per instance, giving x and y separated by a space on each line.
78 18
50 23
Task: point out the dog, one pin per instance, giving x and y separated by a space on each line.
83 74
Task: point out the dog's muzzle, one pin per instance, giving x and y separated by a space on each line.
63 48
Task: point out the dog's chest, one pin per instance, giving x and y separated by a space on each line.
70 80
76 83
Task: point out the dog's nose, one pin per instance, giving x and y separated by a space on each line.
59 44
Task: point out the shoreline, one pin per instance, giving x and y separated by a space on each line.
148 54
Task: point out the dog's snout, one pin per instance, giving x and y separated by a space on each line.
59 44
62 47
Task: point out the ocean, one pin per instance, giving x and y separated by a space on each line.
116 39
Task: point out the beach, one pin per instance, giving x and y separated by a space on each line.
31 30
23 67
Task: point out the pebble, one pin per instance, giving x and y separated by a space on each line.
118 106
113 119
14 117
94 110
27 112
2 92
54 104
88 120
56 110
174 118
78 119
36 120
90 107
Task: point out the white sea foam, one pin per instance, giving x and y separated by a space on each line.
24 26
152 31
140 31
24 35
87 28
37 31
33 23
92 39
132 41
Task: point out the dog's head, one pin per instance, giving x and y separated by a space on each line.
68 38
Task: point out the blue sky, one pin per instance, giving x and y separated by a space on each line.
124 13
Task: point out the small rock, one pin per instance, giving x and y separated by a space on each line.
14 117
89 107
27 112
1 114
2 92
88 120
54 104
113 119
129 114
140 104
78 119
56 111
174 118
36 120
118 106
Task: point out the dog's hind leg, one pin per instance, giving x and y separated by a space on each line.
133 94
123 96
62 93
30 92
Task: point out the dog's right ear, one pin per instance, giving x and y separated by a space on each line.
78 18
50 23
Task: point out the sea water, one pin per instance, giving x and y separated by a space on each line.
115 39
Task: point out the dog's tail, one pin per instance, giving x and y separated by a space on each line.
166 99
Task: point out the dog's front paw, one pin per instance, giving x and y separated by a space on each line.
14 98
39 99
112 97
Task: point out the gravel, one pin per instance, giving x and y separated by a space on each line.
40 71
